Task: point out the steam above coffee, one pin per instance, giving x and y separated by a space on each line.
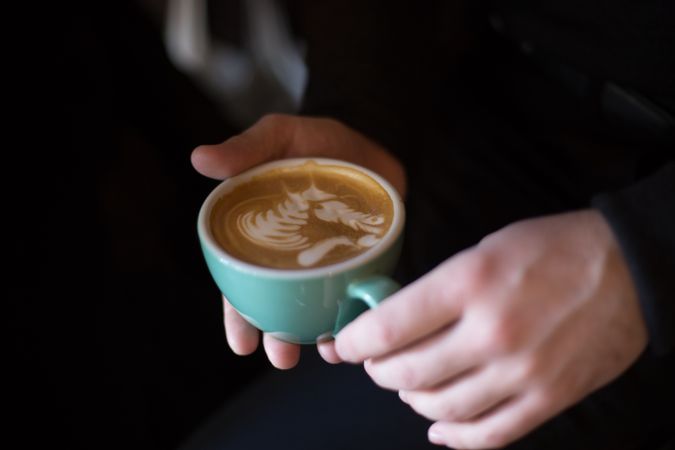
302 217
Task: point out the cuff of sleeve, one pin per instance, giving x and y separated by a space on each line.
642 218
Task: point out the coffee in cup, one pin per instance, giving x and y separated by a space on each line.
302 216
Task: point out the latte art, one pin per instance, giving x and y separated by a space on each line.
281 227
303 217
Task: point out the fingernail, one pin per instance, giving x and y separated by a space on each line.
435 437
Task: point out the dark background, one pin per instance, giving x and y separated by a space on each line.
115 327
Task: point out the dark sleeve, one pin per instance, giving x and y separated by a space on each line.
642 217
375 65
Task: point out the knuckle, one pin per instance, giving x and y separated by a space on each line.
432 409
528 370
439 408
395 375
406 377
281 126
451 412
499 338
384 334
478 271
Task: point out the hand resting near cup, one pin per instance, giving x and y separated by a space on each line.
505 335
279 136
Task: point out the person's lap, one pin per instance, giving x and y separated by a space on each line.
313 406
319 406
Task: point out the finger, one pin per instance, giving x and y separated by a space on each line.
267 139
327 352
463 398
429 362
282 355
416 311
242 337
496 429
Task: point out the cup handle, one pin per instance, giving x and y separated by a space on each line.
361 295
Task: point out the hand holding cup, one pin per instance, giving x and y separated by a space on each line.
280 222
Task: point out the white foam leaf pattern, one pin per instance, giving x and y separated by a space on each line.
334 211
277 228
318 251
280 228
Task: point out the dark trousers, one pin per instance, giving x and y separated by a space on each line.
319 406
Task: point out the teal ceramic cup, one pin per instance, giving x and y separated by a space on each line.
303 306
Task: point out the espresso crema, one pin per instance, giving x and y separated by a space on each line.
302 217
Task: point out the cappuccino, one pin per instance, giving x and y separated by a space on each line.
301 217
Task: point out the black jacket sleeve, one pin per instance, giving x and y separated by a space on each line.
376 66
642 217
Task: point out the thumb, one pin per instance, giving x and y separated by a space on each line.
267 139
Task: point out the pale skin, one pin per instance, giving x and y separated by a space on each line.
493 342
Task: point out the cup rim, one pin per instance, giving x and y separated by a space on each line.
225 186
